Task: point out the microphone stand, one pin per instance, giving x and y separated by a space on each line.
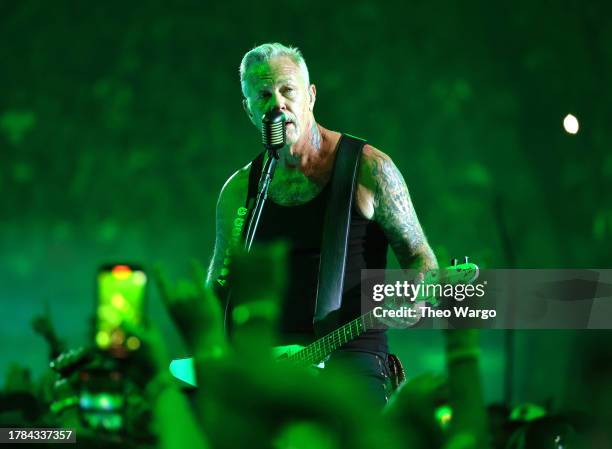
273 138
262 196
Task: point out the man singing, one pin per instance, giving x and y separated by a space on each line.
275 76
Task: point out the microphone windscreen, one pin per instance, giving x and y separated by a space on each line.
274 130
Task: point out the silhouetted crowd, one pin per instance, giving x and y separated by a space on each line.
246 399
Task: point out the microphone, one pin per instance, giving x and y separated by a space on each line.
274 131
273 137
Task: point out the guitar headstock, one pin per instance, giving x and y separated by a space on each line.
464 273
467 271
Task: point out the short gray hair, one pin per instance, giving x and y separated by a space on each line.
265 52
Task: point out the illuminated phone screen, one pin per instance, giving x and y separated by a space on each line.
121 293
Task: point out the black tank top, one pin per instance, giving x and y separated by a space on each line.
301 227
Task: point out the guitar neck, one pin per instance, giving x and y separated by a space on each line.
318 350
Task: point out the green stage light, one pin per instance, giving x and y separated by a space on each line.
444 415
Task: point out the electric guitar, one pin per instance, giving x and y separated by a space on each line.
316 352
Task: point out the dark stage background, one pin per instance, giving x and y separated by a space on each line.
120 122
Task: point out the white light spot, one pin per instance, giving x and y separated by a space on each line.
139 278
570 123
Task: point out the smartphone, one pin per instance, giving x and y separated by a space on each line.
102 399
120 308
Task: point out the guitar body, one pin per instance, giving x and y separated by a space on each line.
284 352
316 353
289 352
183 369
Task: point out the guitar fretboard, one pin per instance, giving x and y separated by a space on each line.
318 350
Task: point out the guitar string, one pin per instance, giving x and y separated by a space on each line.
333 340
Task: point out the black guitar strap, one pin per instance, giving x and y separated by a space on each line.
337 223
254 175
334 243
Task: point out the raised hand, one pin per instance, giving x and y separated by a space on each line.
415 404
194 309
42 325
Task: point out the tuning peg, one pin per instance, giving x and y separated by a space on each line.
454 262
466 259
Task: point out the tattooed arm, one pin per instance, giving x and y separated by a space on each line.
232 196
391 207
